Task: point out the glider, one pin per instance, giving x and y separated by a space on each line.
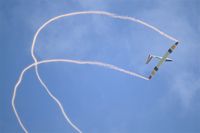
162 59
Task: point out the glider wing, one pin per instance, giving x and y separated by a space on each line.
170 50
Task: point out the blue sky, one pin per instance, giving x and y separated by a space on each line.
99 100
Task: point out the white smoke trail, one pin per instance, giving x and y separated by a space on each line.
97 13
77 62
101 64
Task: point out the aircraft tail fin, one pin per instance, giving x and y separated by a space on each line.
149 58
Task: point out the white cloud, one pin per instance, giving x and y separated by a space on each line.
185 87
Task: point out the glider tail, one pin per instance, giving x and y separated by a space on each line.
149 58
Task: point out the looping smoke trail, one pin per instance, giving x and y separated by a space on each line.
97 13
96 63
74 61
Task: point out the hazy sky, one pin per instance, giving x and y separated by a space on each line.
100 100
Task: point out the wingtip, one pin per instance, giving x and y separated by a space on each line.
176 43
150 77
